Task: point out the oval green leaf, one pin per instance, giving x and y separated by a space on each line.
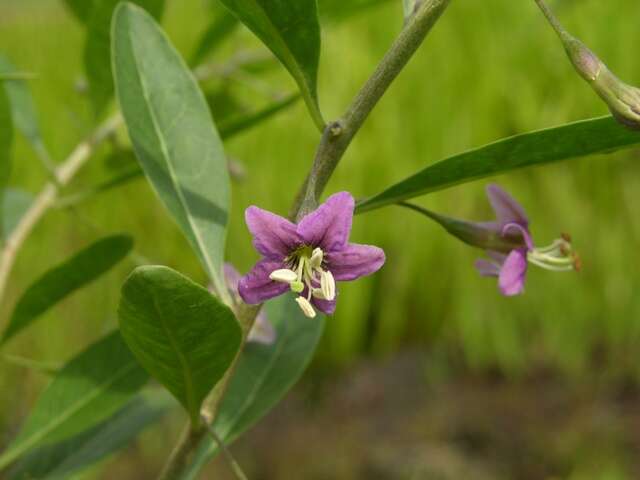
88 389
61 460
263 375
172 132
180 333
291 30
60 281
97 58
586 137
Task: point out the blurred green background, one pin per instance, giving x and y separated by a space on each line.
490 69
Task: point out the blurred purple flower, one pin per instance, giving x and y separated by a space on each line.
510 266
306 258
262 330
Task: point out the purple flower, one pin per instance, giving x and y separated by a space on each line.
510 264
307 258
262 330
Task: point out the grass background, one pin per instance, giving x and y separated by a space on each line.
490 69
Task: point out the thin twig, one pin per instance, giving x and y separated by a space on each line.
47 197
338 135
235 467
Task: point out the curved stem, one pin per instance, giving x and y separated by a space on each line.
338 135
47 197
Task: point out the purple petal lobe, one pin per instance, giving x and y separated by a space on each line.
487 268
355 261
262 330
328 227
506 208
513 273
325 306
256 286
273 236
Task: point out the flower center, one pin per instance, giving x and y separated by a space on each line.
558 257
306 271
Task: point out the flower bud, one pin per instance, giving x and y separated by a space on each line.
623 100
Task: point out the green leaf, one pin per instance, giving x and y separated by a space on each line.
23 110
586 137
97 63
88 389
223 25
179 332
6 141
80 8
60 281
290 28
263 375
16 203
409 8
172 132
60 460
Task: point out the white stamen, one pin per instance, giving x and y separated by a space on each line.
316 258
317 293
328 285
283 275
306 307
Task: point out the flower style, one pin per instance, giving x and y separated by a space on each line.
262 330
508 261
307 258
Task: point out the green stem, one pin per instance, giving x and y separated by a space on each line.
553 21
335 139
338 135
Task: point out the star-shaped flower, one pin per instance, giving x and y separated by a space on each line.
307 258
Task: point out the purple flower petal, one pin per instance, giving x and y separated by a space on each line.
328 226
256 286
325 306
487 268
273 236
355 261
506 208
262 330
513 273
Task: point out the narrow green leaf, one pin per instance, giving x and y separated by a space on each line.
223 25
97 56
179 332
587 137
6 141
172 132
60 460
88 389
409 8
290 28
16 203
80 8
60 281
262 377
